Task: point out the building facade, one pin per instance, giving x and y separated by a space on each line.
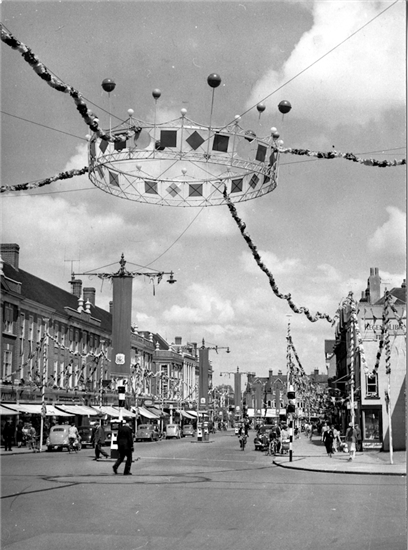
379 397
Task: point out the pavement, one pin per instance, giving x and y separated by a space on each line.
311 456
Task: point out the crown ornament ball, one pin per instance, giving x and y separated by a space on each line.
182 162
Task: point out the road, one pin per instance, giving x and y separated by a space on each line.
185 495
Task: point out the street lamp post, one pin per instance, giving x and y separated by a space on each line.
122 311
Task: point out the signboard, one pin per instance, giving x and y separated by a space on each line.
202 400
120 359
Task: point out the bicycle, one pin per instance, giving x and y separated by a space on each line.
74 445
243 442
272 448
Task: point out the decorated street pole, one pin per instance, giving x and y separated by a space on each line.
122 312
43 379
387 346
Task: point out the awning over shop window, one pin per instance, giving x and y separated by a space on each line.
82 410
147 414
29 408
157 412
114 411
7 412
188 415
193 414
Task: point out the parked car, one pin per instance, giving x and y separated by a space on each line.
57 439
86 434
147 432
173 430
187 430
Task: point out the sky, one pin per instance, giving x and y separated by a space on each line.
341 65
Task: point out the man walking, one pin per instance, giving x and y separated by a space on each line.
99 440
8 435
125 448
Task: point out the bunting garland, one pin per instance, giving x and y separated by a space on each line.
47 181
241 225
39 68
347 156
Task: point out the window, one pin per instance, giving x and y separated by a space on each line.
8 319
7 363
372 385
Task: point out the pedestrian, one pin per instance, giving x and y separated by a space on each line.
99 440
125 448
328 438
336 440
351 439
359 446
8 435
19 434
324 429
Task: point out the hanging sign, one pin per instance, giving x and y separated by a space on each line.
120 359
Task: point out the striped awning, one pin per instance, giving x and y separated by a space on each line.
147 414
114 411
29 408
7 412
81 410
187 414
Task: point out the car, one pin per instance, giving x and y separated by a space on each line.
86 434
173 430
147 432
57 439
187 430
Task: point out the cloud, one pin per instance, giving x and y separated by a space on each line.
204 307
357 82
390 237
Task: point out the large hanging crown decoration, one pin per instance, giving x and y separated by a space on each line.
183 163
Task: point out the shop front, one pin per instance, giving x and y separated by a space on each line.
372 427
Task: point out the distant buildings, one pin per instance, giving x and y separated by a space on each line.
266 397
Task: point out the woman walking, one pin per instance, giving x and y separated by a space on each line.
328 438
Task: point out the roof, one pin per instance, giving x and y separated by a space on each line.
399 293
51 296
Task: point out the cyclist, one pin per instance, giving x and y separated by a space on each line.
242 435
73 438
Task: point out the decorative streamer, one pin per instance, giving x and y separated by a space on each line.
337 154
47 181
90 119
241 225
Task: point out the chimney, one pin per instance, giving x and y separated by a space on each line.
403 284
316 372
111 307
374 285
76 285
10 253
89 295
177 340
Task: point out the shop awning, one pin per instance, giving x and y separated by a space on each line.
113 411
7 412
193 414
29 408
158 412
81 410
188 415
147 414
